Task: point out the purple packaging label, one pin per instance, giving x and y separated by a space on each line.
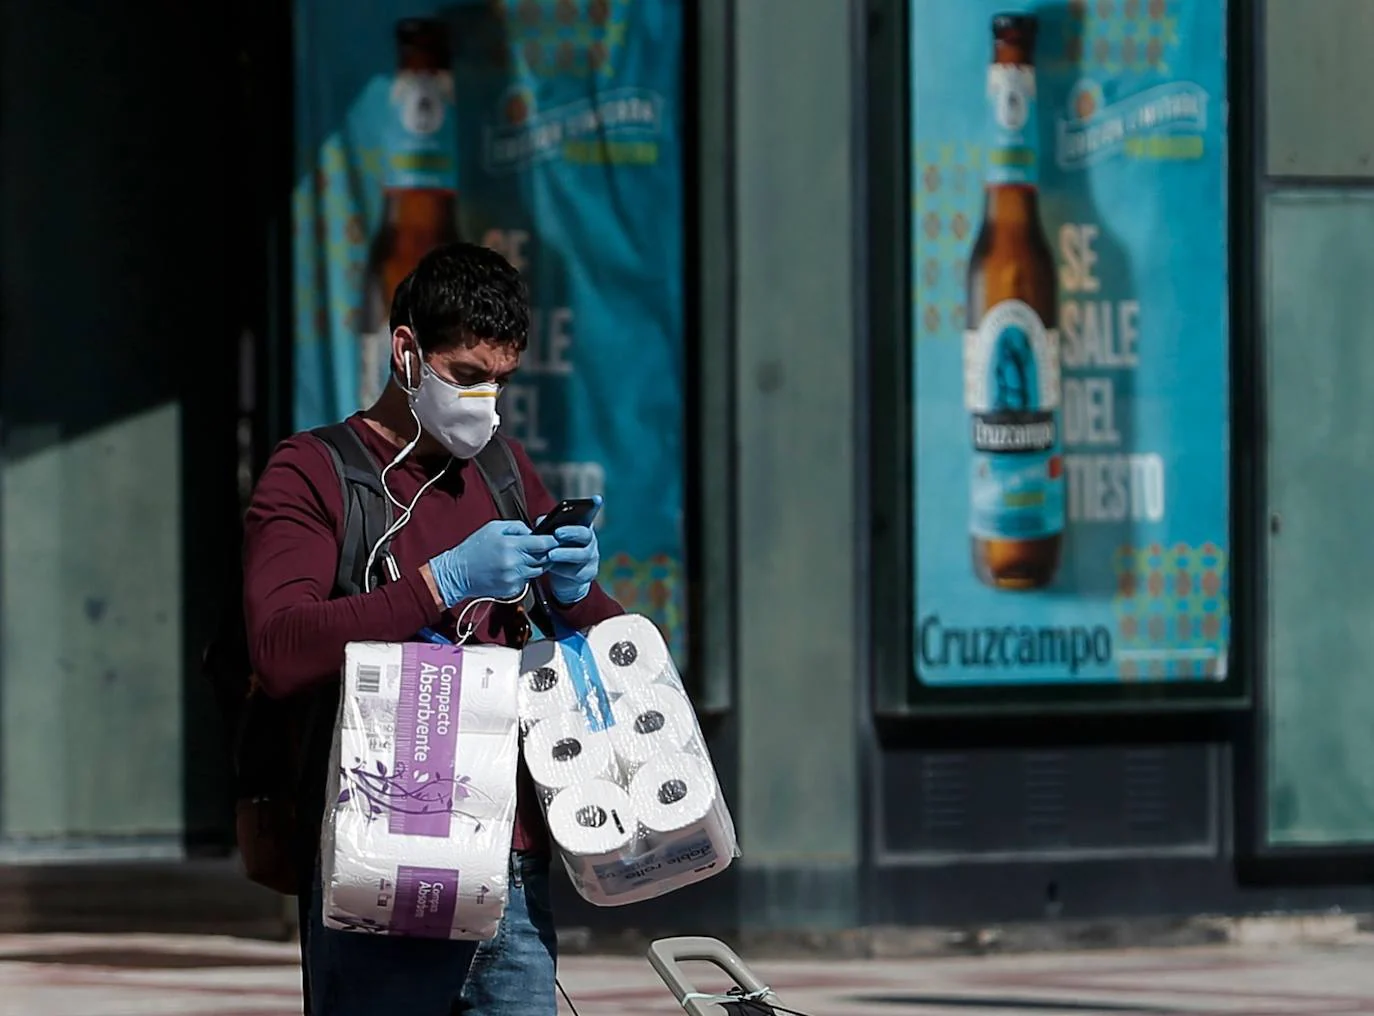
426 899
426 740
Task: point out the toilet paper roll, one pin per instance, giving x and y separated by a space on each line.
443 889
560 751
629 652
547 684
403 684
488 700
592 821
422 791
672 793
688 836
427 781
545 687
651 721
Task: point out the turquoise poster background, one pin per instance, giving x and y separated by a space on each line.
1130 116
566 121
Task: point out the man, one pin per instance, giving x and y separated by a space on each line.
459 324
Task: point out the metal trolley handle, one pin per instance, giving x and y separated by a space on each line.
667 954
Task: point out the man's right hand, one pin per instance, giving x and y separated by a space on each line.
496 561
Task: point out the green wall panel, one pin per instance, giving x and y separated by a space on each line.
1320 367
90 639
1316 58
127 275
795 362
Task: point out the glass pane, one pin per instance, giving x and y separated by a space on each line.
1070 358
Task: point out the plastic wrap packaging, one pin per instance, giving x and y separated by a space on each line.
613 745
422 789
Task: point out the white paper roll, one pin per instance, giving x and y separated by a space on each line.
488 689
671 793
688 836
415 788
471 689
560 751
547 685
421 798
651 721
629 652
592 820
545 688
420 888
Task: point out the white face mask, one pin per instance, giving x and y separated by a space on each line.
462 418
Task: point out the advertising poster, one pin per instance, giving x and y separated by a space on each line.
1070 342
550 131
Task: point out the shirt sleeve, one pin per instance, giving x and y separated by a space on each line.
597 605
296 633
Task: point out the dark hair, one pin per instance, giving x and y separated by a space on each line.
461 294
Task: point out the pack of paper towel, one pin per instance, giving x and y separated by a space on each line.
626 782
422 791
421 797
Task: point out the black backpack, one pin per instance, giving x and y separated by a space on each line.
267 738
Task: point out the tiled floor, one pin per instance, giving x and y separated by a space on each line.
107 976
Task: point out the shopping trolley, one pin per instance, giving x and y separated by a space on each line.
749 997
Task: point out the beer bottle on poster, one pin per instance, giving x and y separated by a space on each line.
420 181
1011 347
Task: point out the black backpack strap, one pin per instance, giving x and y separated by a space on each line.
499 470
496 462
367 513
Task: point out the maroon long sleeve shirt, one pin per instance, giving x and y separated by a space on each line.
292 533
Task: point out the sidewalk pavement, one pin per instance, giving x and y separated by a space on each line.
158 976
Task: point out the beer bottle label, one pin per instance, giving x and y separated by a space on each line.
1013 154
1011 391
421 141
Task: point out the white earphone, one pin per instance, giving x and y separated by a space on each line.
405 510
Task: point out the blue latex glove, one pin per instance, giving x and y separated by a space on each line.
496 561
573 564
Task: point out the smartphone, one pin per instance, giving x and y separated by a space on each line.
577 511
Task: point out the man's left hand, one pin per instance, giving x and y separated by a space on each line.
573 564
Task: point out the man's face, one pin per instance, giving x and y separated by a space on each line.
482 363
475 365
465 365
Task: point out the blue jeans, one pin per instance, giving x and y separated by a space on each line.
349 973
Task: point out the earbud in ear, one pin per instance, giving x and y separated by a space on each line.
409 382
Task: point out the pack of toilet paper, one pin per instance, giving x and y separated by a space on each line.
611 740
422 790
